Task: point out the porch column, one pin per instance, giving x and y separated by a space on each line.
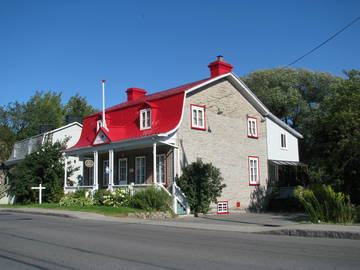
96 164
154 162
111 167
65 171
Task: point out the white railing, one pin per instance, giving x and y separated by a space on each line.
180 197
4 190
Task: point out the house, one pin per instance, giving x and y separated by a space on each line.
27 146
149 139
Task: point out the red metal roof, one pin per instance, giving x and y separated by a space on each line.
123 119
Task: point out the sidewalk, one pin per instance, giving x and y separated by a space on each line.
277 224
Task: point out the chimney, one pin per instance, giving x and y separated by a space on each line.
219 67
135 93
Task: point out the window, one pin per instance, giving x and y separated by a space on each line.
122 171
160 169
140 170
254 177
99 124
223 207
197 117
283 141
145 119
252 127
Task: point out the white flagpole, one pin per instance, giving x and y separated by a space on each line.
103 105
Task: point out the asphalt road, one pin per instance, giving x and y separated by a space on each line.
44 242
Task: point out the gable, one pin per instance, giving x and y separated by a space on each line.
101 138
222 98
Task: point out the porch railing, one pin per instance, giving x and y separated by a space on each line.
4 190
179 197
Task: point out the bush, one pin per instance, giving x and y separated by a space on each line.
201 183
99 196
120 197
151 199
76 199
322 203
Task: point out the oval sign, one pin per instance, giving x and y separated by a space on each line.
89 163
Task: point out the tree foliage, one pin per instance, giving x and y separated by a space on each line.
202 185
336 137
77 107
46 167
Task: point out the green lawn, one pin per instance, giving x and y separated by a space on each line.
105 210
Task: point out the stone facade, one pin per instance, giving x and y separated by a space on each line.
225 143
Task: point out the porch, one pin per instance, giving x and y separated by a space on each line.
136 167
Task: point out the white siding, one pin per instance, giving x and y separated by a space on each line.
73 132
275 152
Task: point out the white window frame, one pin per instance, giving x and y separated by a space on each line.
140 173
99 124
145 118
123 181
254 171
197 116
252 127
223 207
283 141
160 177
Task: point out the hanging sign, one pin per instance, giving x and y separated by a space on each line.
89 163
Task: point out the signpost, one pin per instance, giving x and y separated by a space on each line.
40 188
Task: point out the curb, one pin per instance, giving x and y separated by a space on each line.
315 233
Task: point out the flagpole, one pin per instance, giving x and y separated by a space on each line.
103 105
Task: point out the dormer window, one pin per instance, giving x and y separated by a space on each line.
145 119
99 124
252 127
198 117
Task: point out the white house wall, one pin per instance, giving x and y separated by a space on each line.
275 152
73 132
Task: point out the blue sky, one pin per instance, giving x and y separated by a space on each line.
69 46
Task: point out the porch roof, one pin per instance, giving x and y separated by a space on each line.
287 163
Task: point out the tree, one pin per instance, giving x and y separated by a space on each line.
201 183
46 167
77 107
336 135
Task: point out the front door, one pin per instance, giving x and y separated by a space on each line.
106 172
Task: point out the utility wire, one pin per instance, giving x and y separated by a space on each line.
326 41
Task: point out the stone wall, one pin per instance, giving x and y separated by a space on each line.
224 143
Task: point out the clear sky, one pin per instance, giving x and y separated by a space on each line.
68 46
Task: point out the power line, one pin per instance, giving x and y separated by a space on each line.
326 41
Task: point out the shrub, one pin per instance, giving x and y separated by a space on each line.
201 183
151 199
76 199
120 197
322 203
99 196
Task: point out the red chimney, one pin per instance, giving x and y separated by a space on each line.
219 67
135 93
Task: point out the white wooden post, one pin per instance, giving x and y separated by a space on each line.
111 167
154 162
65 171
96 165
40 188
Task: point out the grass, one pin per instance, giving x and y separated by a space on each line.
105 210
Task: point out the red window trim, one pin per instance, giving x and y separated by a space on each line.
191 119
258 161
221 213
257 127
